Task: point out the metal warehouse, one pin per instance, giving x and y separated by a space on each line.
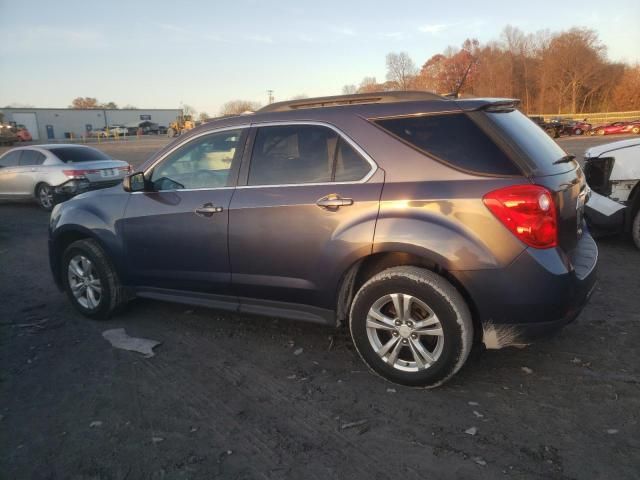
61 123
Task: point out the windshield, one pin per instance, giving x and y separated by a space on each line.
78 154
533 141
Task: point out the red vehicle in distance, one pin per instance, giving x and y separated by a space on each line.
579 127
617 127
23 135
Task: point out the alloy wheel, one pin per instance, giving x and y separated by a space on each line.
84 282
45 196
405 332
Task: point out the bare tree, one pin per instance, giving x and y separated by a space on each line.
189 110
236 107
626 94
84 102
203 117
91 102
300 96
369 84
349 89
400 70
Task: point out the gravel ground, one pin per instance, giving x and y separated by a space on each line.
247 397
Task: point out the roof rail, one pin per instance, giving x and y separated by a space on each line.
357 98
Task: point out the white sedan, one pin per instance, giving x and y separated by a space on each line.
53 173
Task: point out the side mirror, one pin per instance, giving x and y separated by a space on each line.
134 182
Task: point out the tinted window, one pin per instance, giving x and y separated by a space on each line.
31 157
454 139
10 159
350 166
204 162
532 140
78 154
293 154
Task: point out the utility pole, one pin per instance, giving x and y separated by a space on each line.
270 94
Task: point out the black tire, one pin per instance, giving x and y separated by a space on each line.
578 131
44 197
444 301
111 296
635 228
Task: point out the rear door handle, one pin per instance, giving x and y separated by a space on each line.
333 202
207 210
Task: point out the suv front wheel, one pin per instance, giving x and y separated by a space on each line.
411 326
90 280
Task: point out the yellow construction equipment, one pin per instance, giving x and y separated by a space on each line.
183 123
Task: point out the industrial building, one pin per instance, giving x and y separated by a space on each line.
60 123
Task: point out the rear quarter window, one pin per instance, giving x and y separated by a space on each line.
454 139
78 154
539 149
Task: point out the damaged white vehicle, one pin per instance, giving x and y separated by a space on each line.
613 171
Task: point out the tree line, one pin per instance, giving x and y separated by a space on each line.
550 72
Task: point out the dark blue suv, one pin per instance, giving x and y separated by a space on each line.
427 224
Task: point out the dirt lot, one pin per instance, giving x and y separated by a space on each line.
248 397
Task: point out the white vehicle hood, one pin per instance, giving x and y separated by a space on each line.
627 161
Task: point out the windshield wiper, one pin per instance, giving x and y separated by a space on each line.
565 159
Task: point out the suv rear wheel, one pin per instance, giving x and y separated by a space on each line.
411 326
90 280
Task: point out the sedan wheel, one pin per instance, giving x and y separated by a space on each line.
600 132
44 196
84 282
578 131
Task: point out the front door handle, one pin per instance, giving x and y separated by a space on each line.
334 201
207 210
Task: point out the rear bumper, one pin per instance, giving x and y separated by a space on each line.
71 188
539 293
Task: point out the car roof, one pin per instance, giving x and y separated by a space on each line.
382 104
608 147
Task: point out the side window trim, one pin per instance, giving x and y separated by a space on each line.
235 165
342 137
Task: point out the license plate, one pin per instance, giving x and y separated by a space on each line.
109 172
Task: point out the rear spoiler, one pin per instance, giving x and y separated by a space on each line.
488 104
508 105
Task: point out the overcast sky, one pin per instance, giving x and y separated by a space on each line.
159 54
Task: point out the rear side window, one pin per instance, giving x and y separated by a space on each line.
533 141
10 159
78 154
299 154
454 139
31 157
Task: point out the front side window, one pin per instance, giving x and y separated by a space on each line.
300 154
31 157
204 162
10 159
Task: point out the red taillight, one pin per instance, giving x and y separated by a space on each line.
78 173
528 211
127 169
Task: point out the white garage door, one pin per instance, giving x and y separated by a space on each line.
29 121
